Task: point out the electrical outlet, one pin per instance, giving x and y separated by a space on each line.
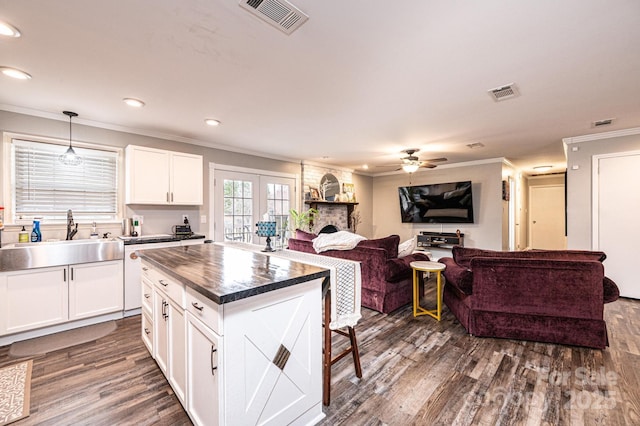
185 218
203 218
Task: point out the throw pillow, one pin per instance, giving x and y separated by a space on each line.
407 247
389 244
306 236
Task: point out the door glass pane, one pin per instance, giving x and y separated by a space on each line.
237 210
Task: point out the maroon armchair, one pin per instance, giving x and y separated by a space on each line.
386 278
554 296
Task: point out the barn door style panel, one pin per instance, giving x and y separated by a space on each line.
272 357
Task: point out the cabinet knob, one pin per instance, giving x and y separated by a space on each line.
195 305
163 283
146 330
146 296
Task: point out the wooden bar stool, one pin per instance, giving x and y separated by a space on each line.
419 267
327 360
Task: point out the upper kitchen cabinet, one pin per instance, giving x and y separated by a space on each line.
155 176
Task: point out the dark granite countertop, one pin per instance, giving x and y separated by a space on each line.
160 239
225 274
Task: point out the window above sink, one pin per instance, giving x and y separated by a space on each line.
42 187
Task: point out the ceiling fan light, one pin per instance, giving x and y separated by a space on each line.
212 122
410 167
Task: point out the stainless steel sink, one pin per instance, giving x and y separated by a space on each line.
15 257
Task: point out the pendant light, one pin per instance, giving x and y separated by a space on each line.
70 158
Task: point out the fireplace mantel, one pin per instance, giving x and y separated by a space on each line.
349 205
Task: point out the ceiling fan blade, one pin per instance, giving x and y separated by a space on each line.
436 160
428 166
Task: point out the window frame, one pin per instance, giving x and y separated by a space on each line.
8 166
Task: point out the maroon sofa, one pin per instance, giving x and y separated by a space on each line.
554 296
386 279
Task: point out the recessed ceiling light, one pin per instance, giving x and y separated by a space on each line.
365 166
8 30
212 122
542 168
133 102
15 73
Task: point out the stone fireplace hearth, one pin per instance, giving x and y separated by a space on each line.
332 213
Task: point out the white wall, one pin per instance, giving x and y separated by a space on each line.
486 179
579 188
157 219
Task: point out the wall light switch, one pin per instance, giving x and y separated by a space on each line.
574 148
575 167
203 218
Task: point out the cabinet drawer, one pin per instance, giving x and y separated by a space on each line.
173 288
147 332
205 310
147 297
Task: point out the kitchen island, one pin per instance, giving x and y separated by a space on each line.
236 333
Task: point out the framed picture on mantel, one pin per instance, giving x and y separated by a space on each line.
349 189
315 195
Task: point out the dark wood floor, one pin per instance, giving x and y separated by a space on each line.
415 371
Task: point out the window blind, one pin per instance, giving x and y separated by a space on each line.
45 187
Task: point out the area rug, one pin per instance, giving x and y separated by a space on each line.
64 339
15 390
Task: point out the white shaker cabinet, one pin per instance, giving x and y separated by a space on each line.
33 298
36 298
155 176
169 329
95 289
204 391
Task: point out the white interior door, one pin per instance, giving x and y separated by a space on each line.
546 217
616 206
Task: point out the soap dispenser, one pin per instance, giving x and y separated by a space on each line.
94 232
23 236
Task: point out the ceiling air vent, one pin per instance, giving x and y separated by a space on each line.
503 93
604 122
281 14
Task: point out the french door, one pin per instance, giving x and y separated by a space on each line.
242 199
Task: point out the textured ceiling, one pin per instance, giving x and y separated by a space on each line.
356 84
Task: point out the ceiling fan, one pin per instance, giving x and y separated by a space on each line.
412 163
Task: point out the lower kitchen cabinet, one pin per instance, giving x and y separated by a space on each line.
204 393
169 333
32 299
95 289
36 298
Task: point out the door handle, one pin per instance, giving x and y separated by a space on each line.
64 275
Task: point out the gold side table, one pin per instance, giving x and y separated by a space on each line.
421 267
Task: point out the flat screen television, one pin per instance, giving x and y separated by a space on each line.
437 203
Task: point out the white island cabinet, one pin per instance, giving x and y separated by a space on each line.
254 359
156 176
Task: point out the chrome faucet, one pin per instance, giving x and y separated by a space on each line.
71 230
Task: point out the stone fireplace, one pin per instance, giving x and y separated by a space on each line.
332 213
